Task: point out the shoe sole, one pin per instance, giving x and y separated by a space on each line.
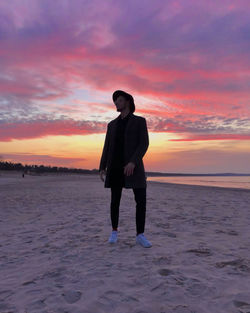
142 245
111 241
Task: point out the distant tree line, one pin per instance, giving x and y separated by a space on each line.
39 169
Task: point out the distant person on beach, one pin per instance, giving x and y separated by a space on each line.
126 143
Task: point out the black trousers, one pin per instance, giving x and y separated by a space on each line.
140 199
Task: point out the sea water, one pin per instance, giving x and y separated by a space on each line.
218 181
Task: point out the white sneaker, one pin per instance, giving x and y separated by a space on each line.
113 236
142 240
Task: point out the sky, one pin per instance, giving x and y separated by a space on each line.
186 63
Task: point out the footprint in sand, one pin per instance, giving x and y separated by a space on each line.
232 233
175 278
162 260
165 272
195 288
228 232
28 282
242 305
4 307
241 264
71 296
200 251
4 294
112 295
183 309
38 304
172 235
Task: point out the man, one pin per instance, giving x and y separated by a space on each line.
126 143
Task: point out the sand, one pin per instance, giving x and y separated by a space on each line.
55 255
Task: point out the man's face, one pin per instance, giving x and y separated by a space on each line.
121 103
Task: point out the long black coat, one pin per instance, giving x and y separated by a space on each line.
136 142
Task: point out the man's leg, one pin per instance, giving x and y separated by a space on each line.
140 199
116 193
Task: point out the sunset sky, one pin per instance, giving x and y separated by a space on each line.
186 63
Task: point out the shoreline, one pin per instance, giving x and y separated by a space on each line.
201 186
17 174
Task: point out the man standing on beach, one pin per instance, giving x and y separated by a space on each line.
126 143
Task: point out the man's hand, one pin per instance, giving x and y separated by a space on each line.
129 168
102 172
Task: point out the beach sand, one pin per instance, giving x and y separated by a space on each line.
55 255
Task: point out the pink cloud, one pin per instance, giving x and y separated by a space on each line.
214 137
41 128
203 127
192 56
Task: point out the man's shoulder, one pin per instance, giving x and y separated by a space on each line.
112 121
134 116
138 117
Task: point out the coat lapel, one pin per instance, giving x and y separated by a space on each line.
130 120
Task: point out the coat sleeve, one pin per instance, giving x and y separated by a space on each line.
104 157
143 143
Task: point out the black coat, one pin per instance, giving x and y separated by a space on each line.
136 142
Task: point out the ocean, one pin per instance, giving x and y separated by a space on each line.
218 181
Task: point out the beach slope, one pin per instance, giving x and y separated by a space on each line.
55 255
